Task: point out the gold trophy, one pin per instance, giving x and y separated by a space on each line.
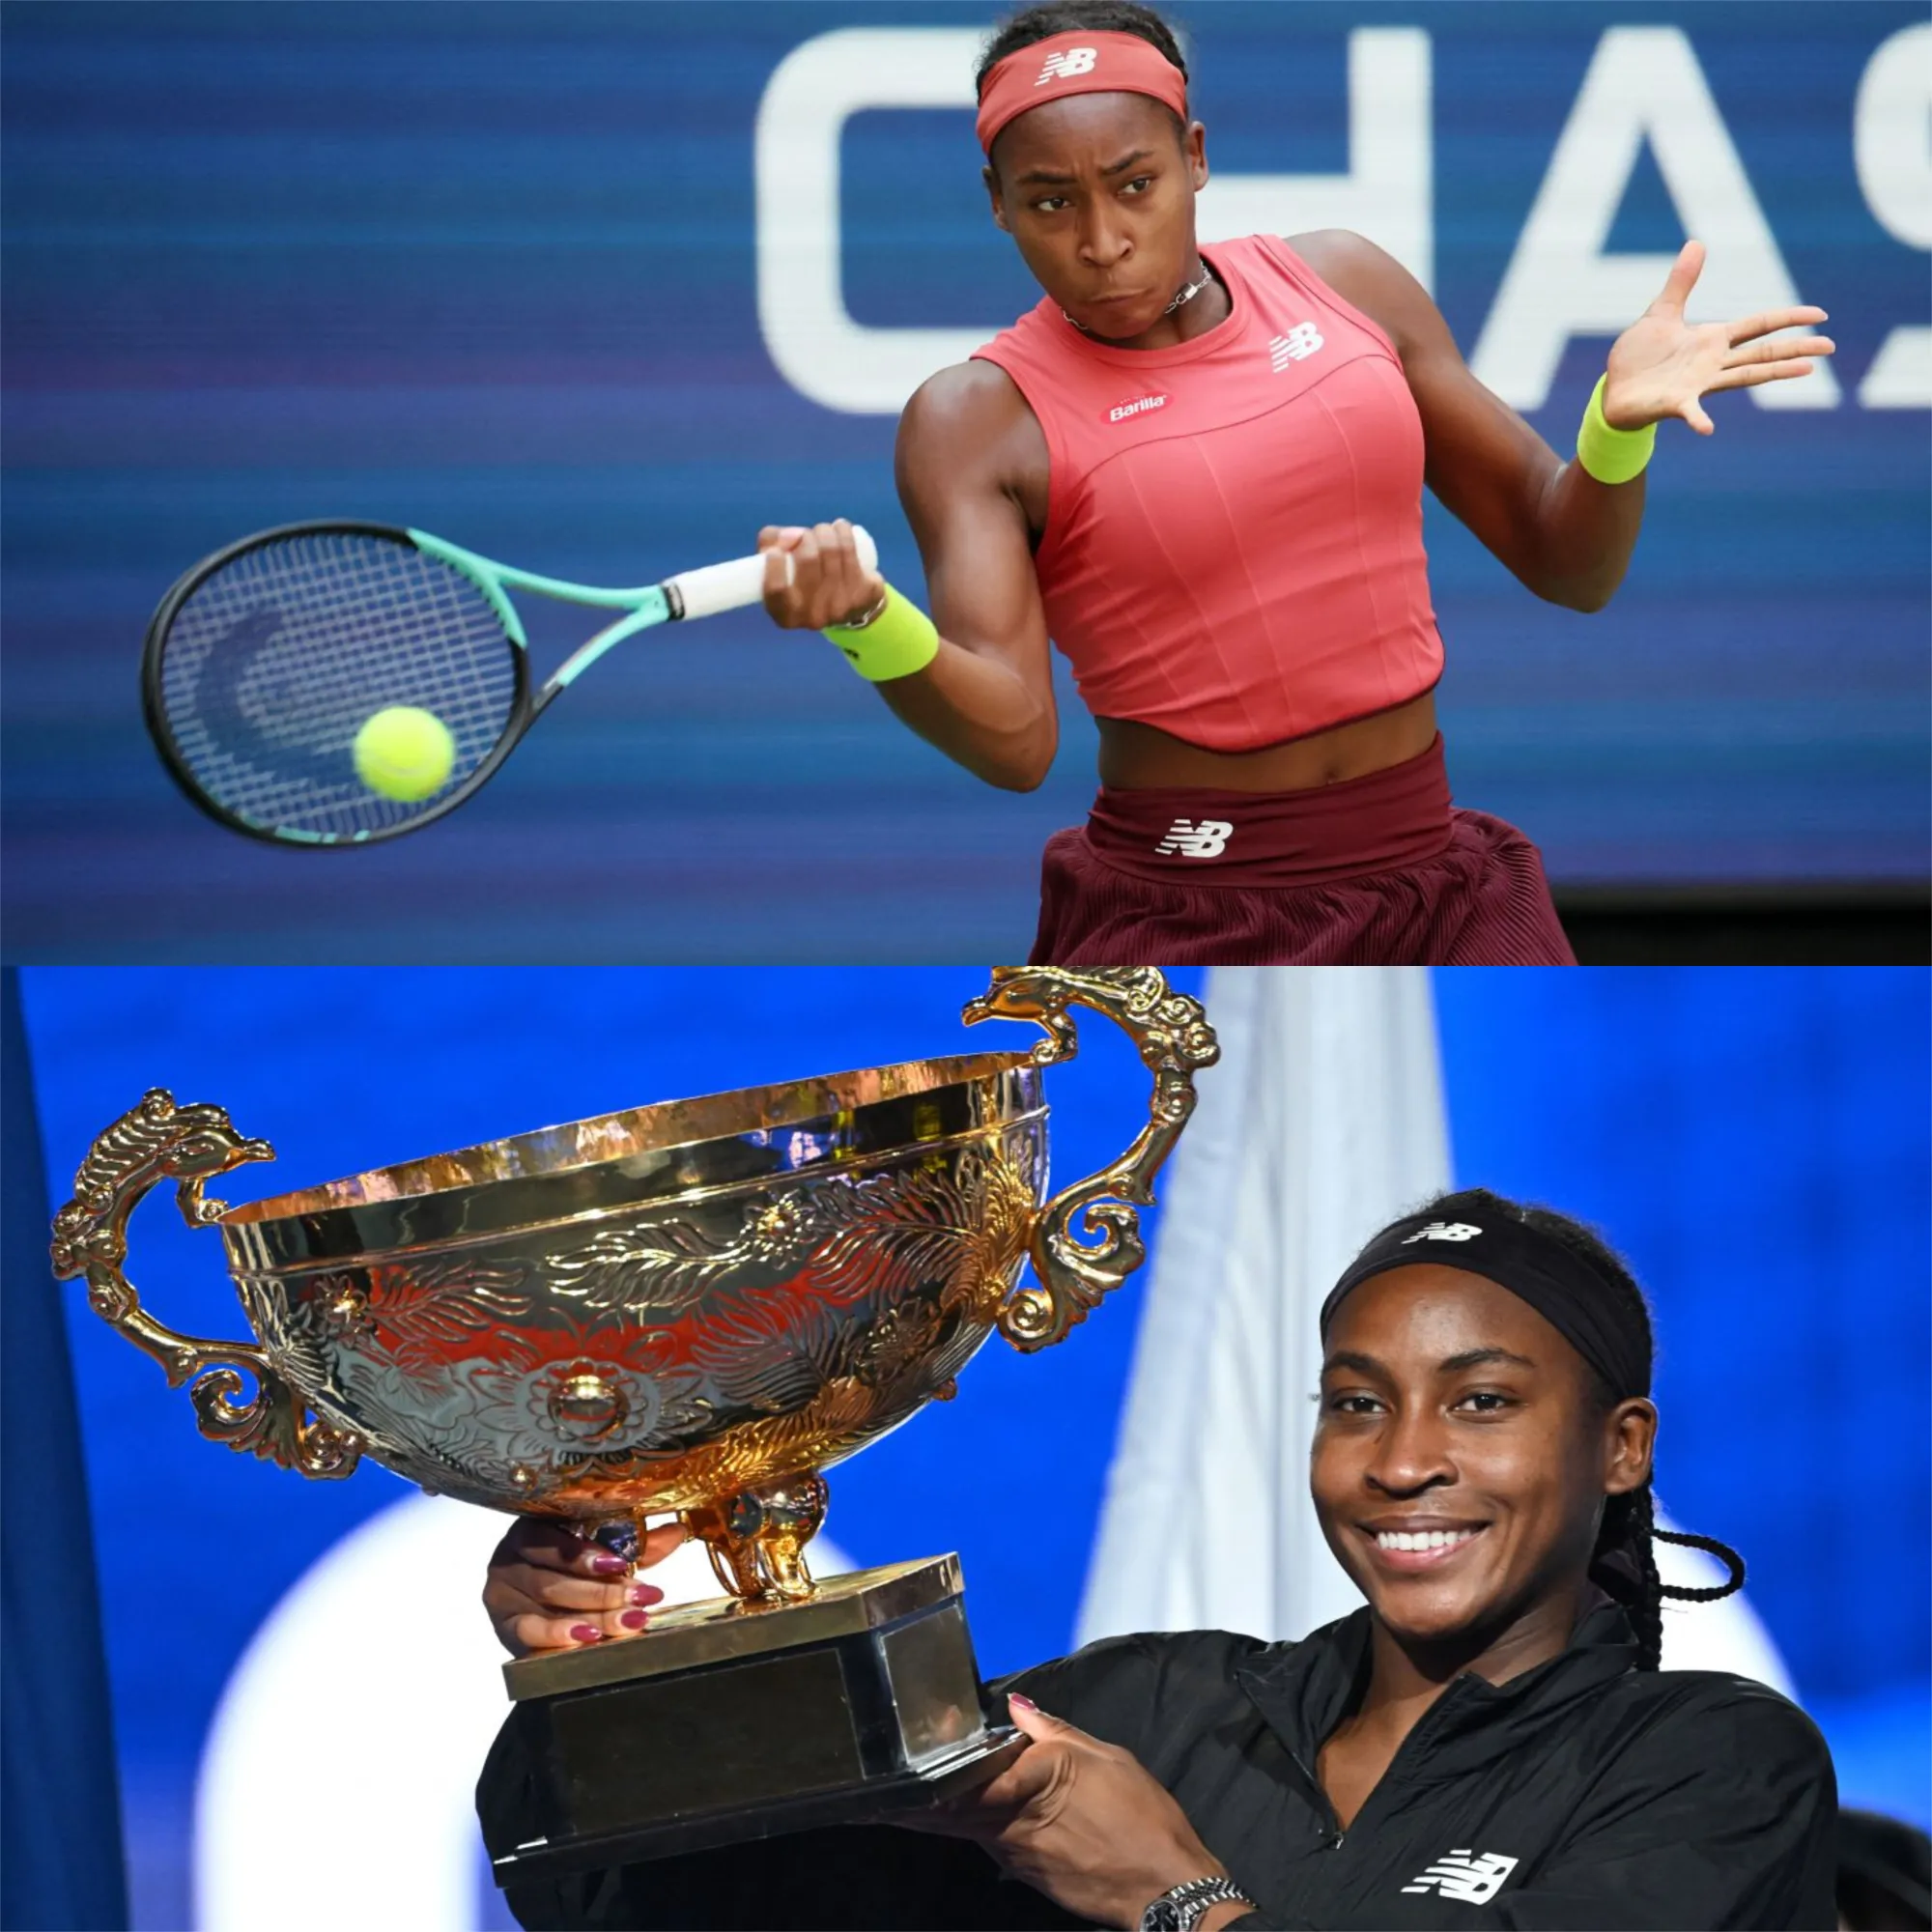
690 1309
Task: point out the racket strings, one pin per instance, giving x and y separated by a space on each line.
275 662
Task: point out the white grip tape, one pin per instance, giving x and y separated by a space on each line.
731 587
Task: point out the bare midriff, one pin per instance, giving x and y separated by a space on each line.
1140 757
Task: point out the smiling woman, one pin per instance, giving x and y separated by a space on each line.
1487 1742
1570 1426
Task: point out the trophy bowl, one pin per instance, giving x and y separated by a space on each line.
695 1307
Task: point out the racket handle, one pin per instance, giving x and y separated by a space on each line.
731 587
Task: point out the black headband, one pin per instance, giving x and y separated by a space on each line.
1597 1317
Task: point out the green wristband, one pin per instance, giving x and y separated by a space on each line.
899 641
1611 455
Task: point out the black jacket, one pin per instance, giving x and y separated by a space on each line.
1583 1793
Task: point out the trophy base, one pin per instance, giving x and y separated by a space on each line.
726 1722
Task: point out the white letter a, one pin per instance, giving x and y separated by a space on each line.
1644 84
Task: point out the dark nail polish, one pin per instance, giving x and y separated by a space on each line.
587 1633
1021 1703
609 1565
645 1593
633 1620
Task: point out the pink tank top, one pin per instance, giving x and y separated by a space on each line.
1234 534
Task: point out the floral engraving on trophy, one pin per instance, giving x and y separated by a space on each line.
962 1223
438 1309
959 1227
897 1339
341 1303
666 1267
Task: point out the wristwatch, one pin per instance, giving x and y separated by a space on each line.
1182 1909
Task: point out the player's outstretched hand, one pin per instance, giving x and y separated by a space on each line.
1662 366
550 1588
813 577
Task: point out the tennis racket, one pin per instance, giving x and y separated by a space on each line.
264 663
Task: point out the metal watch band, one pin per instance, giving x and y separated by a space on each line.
871 616
1183 1908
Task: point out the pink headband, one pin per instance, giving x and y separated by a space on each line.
1076 63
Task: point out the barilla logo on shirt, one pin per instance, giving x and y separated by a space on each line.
1474 1881
1067 63
1137 406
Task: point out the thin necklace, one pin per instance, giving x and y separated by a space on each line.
1185 295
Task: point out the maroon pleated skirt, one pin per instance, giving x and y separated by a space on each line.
1382 870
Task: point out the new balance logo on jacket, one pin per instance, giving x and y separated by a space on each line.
1207 838
1066 64
1300 342
1475 1880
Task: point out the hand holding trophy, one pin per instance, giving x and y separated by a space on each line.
551 1587
692 1311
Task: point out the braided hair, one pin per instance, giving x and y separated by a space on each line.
1623 1563
1078 16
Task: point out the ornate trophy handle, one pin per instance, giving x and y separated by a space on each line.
1175 1038
158 1141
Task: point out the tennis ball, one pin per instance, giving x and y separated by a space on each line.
405 753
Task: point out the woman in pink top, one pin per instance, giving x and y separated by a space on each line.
1200 471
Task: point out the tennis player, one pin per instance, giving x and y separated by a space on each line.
1487 1742
1200 471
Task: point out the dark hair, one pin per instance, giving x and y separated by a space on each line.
1077 17
1623 1562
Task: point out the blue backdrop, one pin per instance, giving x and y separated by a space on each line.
493 271
1756 1141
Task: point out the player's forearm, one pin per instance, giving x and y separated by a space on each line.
1581 535
980 714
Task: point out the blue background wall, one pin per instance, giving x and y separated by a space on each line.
489 270
1756 1141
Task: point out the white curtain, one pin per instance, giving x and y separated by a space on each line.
1324 1119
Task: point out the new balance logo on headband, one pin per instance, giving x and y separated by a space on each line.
1300 341
1443 1231
1207 839
1475 1880
1066 63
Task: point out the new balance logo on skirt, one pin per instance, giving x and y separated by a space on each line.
1065 64
1474 1881
1207 839
1139 406
1302 340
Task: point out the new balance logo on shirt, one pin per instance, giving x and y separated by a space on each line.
1444 1230
1475 1880
1300 341
1207 839
1138 407
1064 66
